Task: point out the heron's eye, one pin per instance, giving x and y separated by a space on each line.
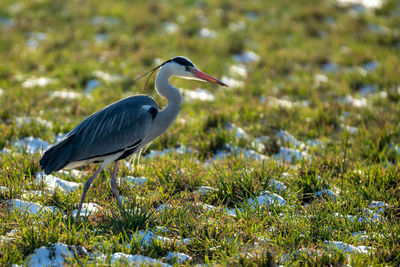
187 68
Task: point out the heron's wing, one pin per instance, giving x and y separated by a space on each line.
120 126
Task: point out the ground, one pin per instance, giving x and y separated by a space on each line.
296 163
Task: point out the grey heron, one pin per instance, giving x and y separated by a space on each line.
122 128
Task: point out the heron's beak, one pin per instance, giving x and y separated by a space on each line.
205 77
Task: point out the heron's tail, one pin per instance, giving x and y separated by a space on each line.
57 156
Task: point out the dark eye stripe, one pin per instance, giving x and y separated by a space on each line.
183 61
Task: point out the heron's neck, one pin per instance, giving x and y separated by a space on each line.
173 96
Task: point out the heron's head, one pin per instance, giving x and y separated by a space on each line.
184 68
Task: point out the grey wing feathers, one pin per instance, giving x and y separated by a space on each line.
112 129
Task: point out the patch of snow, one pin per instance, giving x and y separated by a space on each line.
178 256
57 255
146 238
360 236
314 143
326 192
134 180
290 155
7 22
65 94
239 132
237 26
370 66
378 29
91 85
105 20
330 67
20 121
87 209
30 207
232 82
33 193
178 150
101 37
207 33
170 27
251 15
53 182
282 103
369 4
366 90
320 79
238 70
31 145
71 173
37 82
247 57
204 190
35 38
380 206
278 186
110 78
287 138
164 207
350 129
347 248
3 189
135 260
267 198
198 94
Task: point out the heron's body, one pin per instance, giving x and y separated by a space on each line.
122 128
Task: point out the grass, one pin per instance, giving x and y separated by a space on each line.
295 40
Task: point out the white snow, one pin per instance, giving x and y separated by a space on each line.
180 257
164 207
198 94
347 248
231 82
239 132
33 193
110 78
207 33
87 209
134 180
326 192
30 207
71 173
282 103
247 57
135 260
37 82
320 79
65 94
178 150
20 121
370 66
237 26
370 4
290 155
355 102
3 189
146 238
170 27
287 138
350 129
330 67
204 190
278 186
380 206
314 143
53 182
91 85
367 90
267 198
31 145
238 70
54 256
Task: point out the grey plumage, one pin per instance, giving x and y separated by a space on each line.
116 128
123 128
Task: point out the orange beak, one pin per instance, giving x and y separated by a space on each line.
205 77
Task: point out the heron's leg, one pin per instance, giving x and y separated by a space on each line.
114 186
86 188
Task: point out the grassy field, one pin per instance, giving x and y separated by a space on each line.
296 163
